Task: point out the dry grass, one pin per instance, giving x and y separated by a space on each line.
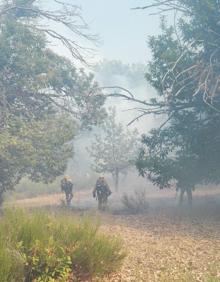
46 200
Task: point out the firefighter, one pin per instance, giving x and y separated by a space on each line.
101 192
67 188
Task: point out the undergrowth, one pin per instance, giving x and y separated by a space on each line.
136 203
39 246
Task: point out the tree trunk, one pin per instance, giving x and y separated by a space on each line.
188 193
116 179
182 191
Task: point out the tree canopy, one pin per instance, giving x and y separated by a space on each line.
41 77
44 97
185 72
114 149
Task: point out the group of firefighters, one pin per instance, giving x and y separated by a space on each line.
101 191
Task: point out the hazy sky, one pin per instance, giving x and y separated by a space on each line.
123 32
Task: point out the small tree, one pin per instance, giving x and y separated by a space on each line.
114 149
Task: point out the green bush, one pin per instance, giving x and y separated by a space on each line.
11 265
40 246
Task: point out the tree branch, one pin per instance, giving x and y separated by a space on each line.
68 16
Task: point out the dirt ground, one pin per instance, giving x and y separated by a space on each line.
161 247
165 244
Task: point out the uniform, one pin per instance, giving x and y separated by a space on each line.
67 188
101 192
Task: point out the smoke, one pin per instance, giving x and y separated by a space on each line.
131 77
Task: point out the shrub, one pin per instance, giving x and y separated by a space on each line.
136 203
11 265
54 247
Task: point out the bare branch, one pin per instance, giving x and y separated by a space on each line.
67 15
118 88
164 6
136 119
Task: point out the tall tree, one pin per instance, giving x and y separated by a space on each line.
114 149
34 78
196 59
185 72
37 87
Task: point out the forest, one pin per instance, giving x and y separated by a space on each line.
109 140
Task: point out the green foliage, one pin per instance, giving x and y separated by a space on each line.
42 78
184 70
35 149
114 149
44 98
11 264
54 247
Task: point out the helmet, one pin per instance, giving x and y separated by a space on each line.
66 177
102 178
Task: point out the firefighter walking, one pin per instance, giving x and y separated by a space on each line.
67 188
101 192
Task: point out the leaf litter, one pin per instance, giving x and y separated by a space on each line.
166 248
